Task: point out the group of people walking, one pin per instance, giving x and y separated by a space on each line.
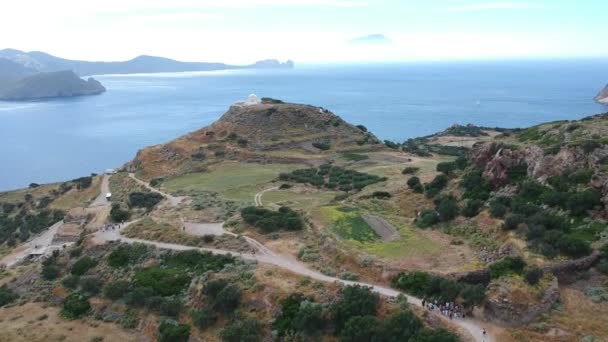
448 309
111 226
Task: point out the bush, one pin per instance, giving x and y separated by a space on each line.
506 266
579 203
173 332
244 330
361 329
170 307
436 185
447 208
324 146
228 299
82 265
422 284
91 285
354 156
7 296
270 221
401 326
116 290
472 207
71 281
512 221
163 281
413 182
124 255
446 167
533 275
381 195
497 209
75 306
354 301
410 170
203 318
427 218
50 272
118 214
144 199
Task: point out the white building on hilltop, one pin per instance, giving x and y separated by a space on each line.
251 100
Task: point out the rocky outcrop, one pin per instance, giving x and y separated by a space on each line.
602 96
513 305
51 85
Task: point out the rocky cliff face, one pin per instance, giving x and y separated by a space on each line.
602 97
514 305
51 85
549 150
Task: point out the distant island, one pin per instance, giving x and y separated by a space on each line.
22 83
45 62
602 97
377 39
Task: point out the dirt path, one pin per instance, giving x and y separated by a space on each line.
101 200
173 201
266 256
40 243
258 197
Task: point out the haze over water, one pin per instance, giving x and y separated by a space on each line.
63 139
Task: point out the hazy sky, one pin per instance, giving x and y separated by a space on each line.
242 31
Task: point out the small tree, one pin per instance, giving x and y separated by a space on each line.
173 332
244 330
75 306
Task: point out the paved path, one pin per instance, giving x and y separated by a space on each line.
174 201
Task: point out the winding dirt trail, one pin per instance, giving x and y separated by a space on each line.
473 328
173 201
258 197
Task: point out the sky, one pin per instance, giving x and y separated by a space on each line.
315 31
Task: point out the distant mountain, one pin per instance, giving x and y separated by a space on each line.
46 85
602 97
11 72
378 39
45 62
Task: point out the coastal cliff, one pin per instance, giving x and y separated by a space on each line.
602 97
50 85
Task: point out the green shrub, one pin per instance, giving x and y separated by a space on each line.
82 265
116 290
163 281
173 332
197 261
145 200
361 329
580 202
472 207
533 275
228 299
506 266
298 314
410 170
118 214
71 281
203 318
321 145
355 300
7 296
427 218
271 221
447 208
171 307
124 255
90 285
512 221
75 306
50 271
381 195
413 182
436 185
446 167
242 330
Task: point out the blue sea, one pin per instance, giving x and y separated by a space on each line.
63 139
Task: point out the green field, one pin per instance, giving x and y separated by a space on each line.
297 200
358 235
232 180
348 224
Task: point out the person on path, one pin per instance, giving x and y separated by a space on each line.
483 331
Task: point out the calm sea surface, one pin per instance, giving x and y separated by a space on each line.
64 139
